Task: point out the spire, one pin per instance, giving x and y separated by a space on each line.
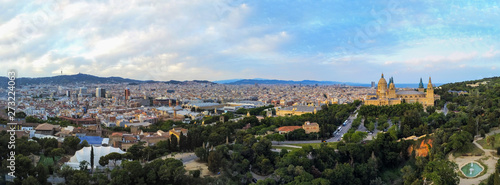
421 84
429 86
382 75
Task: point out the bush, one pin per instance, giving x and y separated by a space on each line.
195 173
498 151
483 133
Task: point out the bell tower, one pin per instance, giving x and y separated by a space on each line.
430 93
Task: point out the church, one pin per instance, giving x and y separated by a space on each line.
388 95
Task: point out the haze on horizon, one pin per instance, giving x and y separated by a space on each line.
333 40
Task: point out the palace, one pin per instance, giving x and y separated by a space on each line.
387 94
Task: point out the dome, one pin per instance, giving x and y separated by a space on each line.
382 87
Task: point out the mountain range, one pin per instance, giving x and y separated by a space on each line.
86 78
89 79
302 82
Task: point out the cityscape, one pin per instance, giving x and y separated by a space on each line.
241 92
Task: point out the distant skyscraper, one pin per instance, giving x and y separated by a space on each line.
373 84
127 94
68 93
100 92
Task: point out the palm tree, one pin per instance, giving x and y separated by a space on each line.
491 141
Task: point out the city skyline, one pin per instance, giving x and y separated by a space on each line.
219 40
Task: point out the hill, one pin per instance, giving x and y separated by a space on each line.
88 79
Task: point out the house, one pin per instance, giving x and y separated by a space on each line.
47 129
286 129
310 127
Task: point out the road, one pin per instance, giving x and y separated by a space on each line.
337 137
445 108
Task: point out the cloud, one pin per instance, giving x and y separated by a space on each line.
222 39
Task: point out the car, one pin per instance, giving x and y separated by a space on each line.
338 139
254 180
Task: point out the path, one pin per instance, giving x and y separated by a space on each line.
490 162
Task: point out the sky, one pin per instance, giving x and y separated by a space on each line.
334 40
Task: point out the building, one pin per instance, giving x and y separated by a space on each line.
286 129
308 128
297 110
127 94
177 132
47 129
388 95
100 92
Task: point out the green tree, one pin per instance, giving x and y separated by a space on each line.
92 159
103 161
84 165
441 172
79 178
56 152
31 181
84 143
202 153
215 161
70 144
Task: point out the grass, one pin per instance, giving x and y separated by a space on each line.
485 168
284 147
485 145
317 145
469 150
46 161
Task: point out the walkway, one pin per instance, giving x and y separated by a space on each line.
490 162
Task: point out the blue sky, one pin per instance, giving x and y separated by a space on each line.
337 40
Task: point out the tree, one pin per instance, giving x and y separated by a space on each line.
41 173
491 141
441 172
79 178
114 156
92 159
70 144
136 151
65 172
202 153
30 181
84 143
56 152
215 161
430 109
84 165
103 161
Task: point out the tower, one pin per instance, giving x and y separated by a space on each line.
430 93
391 93
127 94
421 86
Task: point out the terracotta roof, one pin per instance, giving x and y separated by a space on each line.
129 138
288 128
117 134
45 126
